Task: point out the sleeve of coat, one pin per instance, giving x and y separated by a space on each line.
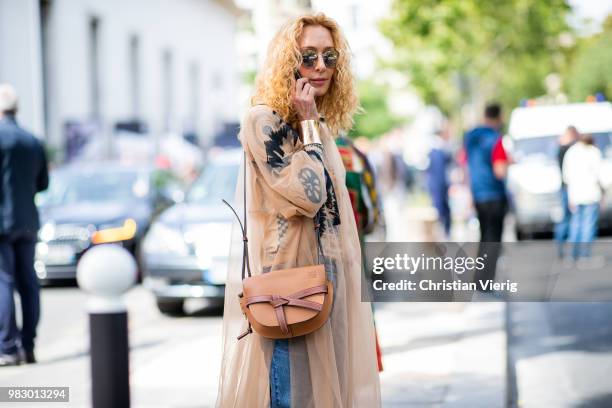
298 176
42 179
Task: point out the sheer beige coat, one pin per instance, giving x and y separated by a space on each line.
287 185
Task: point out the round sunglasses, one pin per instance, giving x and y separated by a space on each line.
330 58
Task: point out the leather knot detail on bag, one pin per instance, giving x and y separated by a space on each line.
294 299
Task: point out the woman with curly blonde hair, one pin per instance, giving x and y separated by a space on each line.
295 178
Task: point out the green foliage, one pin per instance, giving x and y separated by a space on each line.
248 77
458 50
591 71
376 118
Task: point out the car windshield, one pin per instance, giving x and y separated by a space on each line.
604 142
547 147
218 181
68 187
543 148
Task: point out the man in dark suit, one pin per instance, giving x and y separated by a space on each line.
23 173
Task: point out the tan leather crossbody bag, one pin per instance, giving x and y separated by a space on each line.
283 303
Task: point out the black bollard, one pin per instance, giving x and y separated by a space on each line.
106 272
109 360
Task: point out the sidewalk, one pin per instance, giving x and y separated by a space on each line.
442 354
439 354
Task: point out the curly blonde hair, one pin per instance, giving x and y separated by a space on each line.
275 82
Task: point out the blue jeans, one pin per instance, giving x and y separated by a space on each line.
439 197
563 226
280 376
583 229
17 272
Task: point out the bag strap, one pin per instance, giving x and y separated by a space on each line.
246 267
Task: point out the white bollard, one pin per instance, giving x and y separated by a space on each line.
106 272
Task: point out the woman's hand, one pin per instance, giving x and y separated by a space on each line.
304 100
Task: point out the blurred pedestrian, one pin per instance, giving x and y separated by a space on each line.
437 178
304 97
23 173
488 191
582 174
500 160
566 140
365 200
362 187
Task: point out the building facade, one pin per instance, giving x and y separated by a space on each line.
167 64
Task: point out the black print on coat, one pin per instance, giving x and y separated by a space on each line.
274 147
282 225
311 183
328 214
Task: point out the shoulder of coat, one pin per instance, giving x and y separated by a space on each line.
258 112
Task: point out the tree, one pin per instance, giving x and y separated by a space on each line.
591 71
454 51
376 118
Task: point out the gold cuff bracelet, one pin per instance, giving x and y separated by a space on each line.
310 131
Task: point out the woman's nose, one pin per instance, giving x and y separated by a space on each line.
320 64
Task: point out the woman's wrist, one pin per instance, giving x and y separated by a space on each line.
310 132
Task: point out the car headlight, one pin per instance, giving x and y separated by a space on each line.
525 200
543 203
47 232
163 239
123 232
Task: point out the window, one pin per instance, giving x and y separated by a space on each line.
134 74
194 92
94 66
168 89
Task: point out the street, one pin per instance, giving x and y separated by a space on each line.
561 353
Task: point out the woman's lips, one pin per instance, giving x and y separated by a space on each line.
317 82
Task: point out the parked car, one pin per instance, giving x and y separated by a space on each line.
534 179
185 253
93 204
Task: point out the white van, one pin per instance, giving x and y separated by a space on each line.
534 179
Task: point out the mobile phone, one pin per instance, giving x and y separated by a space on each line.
297 75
